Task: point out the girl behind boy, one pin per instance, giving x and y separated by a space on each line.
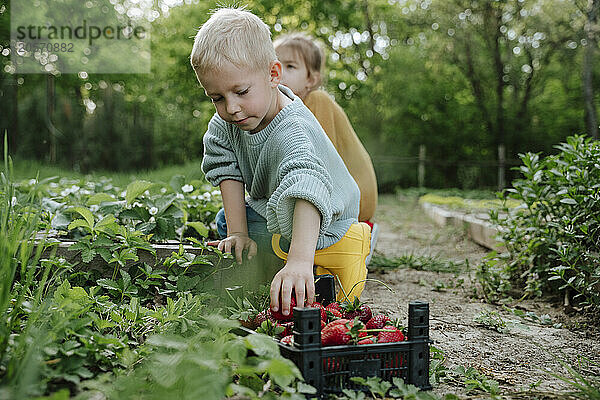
302 60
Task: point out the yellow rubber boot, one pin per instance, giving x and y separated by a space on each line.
344 259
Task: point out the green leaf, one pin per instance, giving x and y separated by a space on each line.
136 188
80 223
281 370
262 345
99 198
85 213
87 255
568 200
109 284
305 388
199 227
177 181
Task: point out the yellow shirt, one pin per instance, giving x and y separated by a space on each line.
336 124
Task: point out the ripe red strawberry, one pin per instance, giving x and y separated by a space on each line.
287 340
334 306
323 323
378 321
320 307
289 327
336 333
365 313
262 317
333 314
389 335
366 341
278 315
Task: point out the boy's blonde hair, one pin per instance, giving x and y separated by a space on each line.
307 48
236 36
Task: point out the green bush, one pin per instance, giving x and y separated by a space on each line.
553 237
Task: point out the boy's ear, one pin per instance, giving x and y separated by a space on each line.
275 73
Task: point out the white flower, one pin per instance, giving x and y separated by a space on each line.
153 211
215 192
75 189
194 197
53 184
206 196
213 225
13 201
32 181
62 260
163 190
124 193
94 207
85 192
187 188
152 219
65 193
179 196
147 193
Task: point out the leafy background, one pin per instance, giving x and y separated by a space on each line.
458 76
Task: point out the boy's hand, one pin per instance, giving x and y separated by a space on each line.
237 241
297 276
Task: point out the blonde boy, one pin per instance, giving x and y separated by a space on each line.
262 140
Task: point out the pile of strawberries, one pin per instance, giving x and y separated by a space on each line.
341 324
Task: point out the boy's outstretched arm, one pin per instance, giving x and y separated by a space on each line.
232 192
297 273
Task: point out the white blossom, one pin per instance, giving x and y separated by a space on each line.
13 201
215 192
179 196
153 211
163 190
187 188
152 219
94 207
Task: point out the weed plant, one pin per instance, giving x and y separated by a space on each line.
554 236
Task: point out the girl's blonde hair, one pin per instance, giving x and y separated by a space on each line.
232 35
308 49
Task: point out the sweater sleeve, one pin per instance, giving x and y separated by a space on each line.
301 175
219 162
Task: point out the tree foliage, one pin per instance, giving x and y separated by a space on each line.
459 76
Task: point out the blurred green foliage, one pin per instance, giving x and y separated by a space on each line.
459 76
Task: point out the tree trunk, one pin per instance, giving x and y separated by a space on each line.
591 115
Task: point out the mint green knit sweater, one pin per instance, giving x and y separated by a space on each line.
291 158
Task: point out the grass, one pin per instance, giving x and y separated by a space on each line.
28 169
381 263
465 194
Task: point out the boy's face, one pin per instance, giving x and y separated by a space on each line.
244 97
295 73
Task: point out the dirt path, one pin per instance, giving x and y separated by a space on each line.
516 358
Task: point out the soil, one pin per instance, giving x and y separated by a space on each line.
522 358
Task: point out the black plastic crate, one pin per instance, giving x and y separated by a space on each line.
330 368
